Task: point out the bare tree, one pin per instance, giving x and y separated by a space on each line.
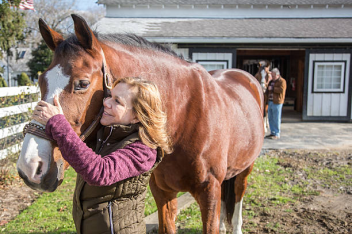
54 12
57 14
91 15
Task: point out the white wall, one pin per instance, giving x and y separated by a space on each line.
327 104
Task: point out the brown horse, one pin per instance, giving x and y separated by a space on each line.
263 79
214 119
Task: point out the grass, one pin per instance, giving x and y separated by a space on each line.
271 185
51 212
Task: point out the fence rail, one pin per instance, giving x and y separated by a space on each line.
13 110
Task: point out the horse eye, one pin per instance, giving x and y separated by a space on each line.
82 84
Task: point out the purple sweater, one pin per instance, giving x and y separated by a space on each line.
133 160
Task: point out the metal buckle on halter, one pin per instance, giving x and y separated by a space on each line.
107 81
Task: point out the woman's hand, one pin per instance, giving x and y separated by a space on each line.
44 111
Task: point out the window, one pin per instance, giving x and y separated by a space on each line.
21 54
329 77
210 65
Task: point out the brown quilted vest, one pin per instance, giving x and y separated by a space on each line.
121 204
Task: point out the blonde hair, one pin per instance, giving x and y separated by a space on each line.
147 106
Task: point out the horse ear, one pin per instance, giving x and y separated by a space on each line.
51 37
84 34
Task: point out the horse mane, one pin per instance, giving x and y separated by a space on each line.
72 45
131 39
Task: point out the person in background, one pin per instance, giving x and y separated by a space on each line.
113 175
275 95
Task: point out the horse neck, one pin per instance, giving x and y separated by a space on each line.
134 61
170 73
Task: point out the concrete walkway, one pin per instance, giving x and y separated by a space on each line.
309 135
294 135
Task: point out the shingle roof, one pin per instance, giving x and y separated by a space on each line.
229 28
225 2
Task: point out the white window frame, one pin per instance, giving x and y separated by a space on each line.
213 62
342 77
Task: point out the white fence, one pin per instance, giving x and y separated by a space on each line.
8 131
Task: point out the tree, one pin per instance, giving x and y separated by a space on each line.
41 59
2 80
23 79
57 15
12 27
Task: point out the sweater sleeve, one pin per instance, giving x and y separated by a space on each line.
133 160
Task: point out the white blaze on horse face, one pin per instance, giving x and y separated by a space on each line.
56 81
36 152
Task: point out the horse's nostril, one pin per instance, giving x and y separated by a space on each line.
39 169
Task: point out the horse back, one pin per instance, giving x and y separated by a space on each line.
228 77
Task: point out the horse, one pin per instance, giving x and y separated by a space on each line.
214 120
263 79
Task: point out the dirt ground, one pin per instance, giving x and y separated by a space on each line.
15 196
327 211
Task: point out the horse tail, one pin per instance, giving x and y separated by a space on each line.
228 197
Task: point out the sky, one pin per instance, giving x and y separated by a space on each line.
87 4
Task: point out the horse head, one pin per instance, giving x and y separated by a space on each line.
76 76
261 69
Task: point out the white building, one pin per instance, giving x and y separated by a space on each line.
17 64
309 41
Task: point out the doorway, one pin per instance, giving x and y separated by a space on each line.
291 66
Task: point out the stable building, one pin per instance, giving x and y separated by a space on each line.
309 41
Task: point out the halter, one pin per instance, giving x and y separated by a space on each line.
39 130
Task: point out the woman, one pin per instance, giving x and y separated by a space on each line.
112 179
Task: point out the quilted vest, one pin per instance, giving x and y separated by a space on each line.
95 208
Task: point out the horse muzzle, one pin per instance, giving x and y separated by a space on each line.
49 181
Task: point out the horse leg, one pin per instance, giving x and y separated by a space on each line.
208 196
166 202
266 119
232 196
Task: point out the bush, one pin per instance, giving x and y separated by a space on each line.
2 82
23 79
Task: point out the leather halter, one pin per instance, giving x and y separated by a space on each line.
39 130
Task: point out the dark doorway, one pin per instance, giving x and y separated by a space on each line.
291 66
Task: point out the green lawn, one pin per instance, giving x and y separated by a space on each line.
269 189
50 213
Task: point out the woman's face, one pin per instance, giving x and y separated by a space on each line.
118 107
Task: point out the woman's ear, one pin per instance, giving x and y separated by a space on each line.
135 119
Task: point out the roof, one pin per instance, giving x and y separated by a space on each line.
226 2
223 30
